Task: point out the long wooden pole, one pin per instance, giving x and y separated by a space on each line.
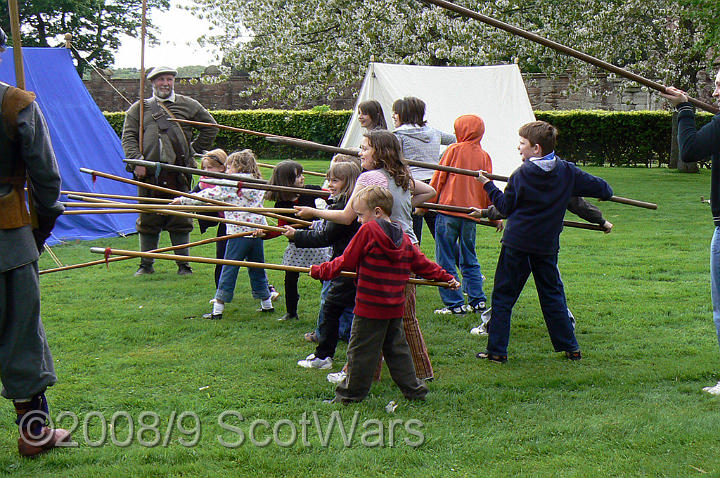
83 195
198 172
14 12
186 211
256 265
167 212
495 177
269 187
468 210
303 143
563 49
270 137
178 193
467 172
305 171
143 28
163 249
161 189
181 207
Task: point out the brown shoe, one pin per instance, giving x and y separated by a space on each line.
311 337
49 438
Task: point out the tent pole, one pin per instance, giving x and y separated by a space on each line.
142 75
17 43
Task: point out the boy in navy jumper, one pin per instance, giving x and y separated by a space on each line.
383 257
534 203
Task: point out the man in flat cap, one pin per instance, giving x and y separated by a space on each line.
26 365
168 142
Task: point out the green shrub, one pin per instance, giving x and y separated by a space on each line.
611 138
601 138
319 125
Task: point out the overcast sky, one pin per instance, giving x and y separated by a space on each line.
179 30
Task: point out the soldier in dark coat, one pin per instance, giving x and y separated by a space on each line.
26 365
168 142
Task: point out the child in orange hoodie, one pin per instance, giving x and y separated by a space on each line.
455 232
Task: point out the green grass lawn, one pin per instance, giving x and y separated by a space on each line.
133 349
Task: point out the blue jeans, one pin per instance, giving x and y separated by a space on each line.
239 249
715 278
513 269
455 244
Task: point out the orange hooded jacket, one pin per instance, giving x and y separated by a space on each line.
458 189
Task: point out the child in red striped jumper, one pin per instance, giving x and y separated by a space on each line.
383 257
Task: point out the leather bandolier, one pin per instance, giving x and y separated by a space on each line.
181 148
13 210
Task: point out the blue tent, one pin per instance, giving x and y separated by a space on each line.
81 136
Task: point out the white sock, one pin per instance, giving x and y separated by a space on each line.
267 303
218 307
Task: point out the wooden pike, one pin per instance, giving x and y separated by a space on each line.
180 207
178 193
167 212
163 249
270 137
495 177
154 165
563 49
305 172
303 143
269 187
184 211
467 172
83 194
486 222
255 265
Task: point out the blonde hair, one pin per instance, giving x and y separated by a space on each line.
347 172
216 157
245 162
346 158
377 196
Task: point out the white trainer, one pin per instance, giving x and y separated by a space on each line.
479 330
459 310
336 377
311 361
715 390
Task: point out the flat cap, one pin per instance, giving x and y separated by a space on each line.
161 70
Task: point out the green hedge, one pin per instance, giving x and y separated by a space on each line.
611 138
320 125
602 138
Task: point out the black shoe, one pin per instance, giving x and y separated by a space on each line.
492 357
271 309
287 317
573 355
142 270
212 316
184 270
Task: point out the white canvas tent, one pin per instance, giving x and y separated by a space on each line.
495 93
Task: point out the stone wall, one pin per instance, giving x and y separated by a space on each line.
545 93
